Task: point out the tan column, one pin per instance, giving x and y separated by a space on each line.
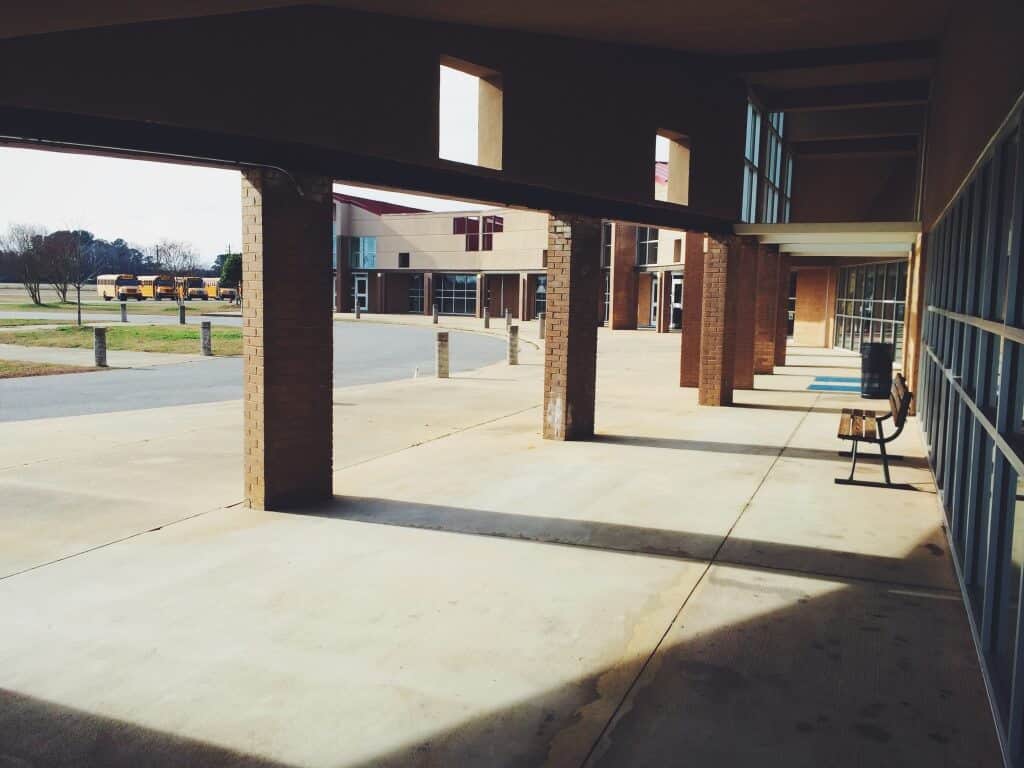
428 293
524 309
914 316
287 338
570 349
481 293
693 298
746 299
622 314
766 311
718 321
785 263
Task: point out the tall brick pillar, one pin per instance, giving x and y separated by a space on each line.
428 293
782 329
664 301
914 317
693 297
623 279
481 294
718 321
766 309
570 348
746 296
287 338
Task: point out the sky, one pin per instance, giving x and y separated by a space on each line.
144 201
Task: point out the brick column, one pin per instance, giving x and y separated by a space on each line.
428 293
766 309
746 297
785 263
570 350
718 321
343 283
693 297
622 313
287 338
524 309
664 301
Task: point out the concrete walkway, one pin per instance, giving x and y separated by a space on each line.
688 589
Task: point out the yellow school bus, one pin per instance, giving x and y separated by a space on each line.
214 290
120 287
190 288
157 287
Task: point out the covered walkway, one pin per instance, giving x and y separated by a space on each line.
689 587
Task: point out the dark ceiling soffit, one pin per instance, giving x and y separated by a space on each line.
847 96
879 145
911 50
42 129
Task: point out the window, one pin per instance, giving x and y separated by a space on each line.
540 301
870 305
751 156
455 294
403 260
491 225
470 110
607 243
778 171
672 167
416 293
362 252
470 227
646 245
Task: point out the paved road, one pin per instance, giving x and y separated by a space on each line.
363 354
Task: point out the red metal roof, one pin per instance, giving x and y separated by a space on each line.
377 207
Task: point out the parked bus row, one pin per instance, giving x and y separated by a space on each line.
158 287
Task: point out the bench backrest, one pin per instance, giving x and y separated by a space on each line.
899 400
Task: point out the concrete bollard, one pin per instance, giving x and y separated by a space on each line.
441 355
487 317
181 314
99 346
124 311
435 314
513 345
540 325
359 311
206 338
508 319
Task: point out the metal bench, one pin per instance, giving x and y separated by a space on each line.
862 426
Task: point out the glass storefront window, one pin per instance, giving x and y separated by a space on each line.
870 305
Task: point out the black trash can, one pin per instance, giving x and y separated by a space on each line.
875 369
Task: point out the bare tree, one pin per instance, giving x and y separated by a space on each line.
175 257
59 256
26 243
83 265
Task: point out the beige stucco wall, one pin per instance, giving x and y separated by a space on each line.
428 239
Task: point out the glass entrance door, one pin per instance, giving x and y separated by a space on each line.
677 302
360 294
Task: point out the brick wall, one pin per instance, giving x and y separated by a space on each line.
287 339
718 322
570 354
812 292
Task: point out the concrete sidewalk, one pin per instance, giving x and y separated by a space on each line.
689 587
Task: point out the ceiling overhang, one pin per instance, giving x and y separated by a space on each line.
867 240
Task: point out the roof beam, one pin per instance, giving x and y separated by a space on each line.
879 145
911 50
854 96
828 125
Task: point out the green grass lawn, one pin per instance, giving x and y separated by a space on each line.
13 369
138 338
148 307
6 322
